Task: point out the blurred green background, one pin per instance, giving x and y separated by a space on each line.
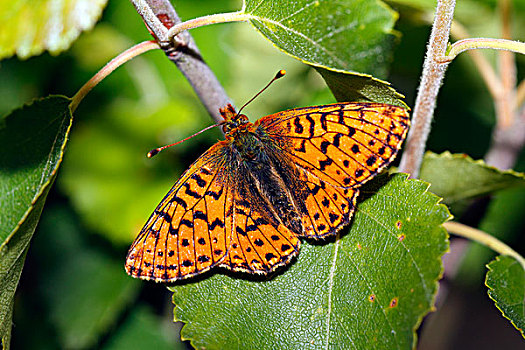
74 292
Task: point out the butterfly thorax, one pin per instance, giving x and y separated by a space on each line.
272 184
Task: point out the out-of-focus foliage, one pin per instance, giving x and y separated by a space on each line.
30 27
107 187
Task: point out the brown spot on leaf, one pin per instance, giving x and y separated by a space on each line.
398 224
372 298
393 303
401 237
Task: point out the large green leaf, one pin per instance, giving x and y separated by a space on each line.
346 34
30 27
338 38
367 289
32 141
457 177
506 282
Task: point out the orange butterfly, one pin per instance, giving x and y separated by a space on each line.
246 201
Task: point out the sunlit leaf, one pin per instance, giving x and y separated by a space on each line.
31 27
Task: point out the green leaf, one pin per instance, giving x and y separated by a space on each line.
457 177
31 27
32 141
354 87
94 290
335 37
506 283
371 286
346 35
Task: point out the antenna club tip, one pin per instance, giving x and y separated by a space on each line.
153 152
280 74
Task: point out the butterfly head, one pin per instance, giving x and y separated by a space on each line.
232 119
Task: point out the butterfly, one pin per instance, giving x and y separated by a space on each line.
245 203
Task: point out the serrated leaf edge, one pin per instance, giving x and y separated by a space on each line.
438 202
447 155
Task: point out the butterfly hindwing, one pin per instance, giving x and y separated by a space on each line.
258 243
329 207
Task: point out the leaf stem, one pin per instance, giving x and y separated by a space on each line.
127 55
481 43
431 80
238 16
483 238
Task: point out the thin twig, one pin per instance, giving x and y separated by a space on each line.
184 53
506 104
238 16
431 80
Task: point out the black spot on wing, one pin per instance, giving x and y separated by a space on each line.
312 125
180 201
199 215
189 192
214 195
215 223
200 182
302 147
324 163
240 231
324 146
187 223
165 216
337 140
371 160
298 127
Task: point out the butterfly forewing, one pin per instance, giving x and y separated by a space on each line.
343 144
339 147
187 232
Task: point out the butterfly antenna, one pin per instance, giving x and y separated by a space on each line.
155 151
279 74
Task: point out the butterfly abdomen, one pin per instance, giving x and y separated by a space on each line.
270 183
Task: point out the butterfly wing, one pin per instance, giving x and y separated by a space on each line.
259 244
338 147
187 233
